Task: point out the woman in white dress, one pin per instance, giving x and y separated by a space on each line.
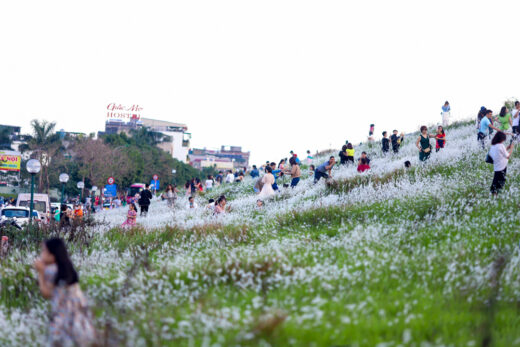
268 181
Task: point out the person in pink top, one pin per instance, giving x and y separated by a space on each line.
131 216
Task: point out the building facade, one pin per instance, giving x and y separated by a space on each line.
176 140
227 158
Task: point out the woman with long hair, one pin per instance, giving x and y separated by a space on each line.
71 321
500 155
267 184
504 119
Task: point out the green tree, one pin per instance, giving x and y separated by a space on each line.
44 144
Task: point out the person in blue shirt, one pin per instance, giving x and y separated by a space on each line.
275 173
324 169
485 125
254 173
446 114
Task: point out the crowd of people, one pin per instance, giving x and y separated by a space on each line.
71 321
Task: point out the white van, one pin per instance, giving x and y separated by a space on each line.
41 204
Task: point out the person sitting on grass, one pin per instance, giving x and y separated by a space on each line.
220 206
364 156
192 203
363 166
131 216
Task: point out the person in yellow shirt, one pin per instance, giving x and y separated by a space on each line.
350 153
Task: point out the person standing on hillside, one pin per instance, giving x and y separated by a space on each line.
396 141
485 127
324 170
343 155
230 178
500 155
295 172
309 157
440 139
144 200
209 183
275 172
350 153
423 144
446 114
385 143
516 118
504 119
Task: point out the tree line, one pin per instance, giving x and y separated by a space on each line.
129 159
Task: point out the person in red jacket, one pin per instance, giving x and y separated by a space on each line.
363 166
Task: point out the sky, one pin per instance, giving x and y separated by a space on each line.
270 76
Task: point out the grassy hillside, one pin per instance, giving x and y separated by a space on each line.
394 257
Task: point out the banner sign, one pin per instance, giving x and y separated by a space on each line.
10 161
118 111
155 184
110 190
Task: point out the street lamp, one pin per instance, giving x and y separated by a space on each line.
93 197
173 174
80 186
33 167
64 178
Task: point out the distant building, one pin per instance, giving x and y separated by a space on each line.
70 135
176 140
14 139
226 158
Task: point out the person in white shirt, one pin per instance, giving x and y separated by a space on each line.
192 203
516 118
500 155
209 183
230 178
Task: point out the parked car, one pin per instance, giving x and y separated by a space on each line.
135 188
18 214
41 204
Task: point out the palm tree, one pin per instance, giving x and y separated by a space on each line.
44 145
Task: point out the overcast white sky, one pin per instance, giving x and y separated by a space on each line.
270 76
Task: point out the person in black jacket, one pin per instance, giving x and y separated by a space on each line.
385 143
144 200
343 155
396 141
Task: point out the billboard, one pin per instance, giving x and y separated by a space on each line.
119 111
10 161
